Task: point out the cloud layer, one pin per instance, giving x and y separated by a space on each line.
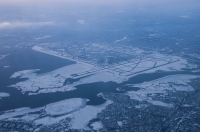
22 24
79 2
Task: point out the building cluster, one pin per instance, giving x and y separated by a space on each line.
19 126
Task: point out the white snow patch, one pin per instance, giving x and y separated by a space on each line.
65 106
159 103
69 70
175 66
97 125
17 112
81 118
48 82
53 90
30 117
49 120
55 112
97 77
146 64
171 83
160 62
180 79
119 123
127 68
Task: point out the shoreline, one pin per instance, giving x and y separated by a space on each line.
40 49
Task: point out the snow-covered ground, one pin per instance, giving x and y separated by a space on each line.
161 86
30 117
79 118
74 108
181 79
18 112
48 120
119 123
103 76
2 95
65 106
97 125
57 108
48 82
83 116
54 81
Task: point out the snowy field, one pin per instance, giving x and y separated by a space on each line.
81 114
161 87
75 109
65 106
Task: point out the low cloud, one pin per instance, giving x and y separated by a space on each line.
185 16
22 24
120 40
81 22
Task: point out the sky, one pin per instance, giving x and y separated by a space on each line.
28 12
54 2
98 18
